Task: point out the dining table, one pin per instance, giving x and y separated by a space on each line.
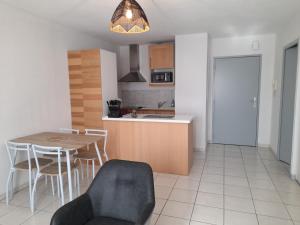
67 141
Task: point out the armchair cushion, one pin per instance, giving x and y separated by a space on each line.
108 221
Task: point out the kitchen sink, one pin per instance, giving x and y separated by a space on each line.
158 117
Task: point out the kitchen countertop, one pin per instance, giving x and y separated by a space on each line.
140 118
167 108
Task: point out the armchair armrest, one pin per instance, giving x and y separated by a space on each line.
77 212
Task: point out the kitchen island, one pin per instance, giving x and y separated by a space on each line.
165 142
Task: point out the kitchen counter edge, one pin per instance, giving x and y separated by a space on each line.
177 119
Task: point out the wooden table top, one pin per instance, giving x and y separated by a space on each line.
56 139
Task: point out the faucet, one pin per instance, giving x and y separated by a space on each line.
160 104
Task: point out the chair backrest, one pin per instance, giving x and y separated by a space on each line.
95 132
39 150
69 130
14 148
121 189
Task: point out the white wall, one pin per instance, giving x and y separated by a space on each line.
34 92
241 46
109 79
191 82
288 35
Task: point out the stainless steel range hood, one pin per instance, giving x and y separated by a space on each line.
134 75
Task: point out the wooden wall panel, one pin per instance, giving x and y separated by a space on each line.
85 88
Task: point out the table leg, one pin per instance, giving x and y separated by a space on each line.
98 153
69 176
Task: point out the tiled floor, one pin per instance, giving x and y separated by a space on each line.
229 186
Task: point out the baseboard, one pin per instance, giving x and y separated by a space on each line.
264 146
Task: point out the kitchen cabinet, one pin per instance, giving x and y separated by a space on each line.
167 147
93 81
161 56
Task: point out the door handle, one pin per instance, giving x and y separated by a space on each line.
254 102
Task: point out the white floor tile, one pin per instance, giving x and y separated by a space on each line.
153 219
266 220
162 191
209 199
265 195
271 209
211 188
239 204
294 212
181 195
165 181
207 214
178 209
290 198
239 218
166 220
237 181
210 178
237 191
198 223
159 205
16 216
187 183
41 218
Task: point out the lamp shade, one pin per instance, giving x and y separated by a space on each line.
129 18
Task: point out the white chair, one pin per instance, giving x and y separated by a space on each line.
92 156
55 169
63 155
28 165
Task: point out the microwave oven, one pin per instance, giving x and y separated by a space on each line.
162 77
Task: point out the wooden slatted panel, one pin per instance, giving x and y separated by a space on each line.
85 88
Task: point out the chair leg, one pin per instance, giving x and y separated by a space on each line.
52 185
46 180
58 188
87 169
78 184
93 162
106 155
61 190
30 184
81 167
12 186
33 191
8 186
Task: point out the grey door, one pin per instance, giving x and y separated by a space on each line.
236 90
287 104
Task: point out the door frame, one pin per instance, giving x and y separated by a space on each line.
258 94
290 45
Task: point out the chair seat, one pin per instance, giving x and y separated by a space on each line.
108 221
72 164
52 170
86 156
24 165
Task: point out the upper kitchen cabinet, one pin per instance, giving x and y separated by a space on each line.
161 56
93 81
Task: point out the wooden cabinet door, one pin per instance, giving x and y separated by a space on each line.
85 89
161 56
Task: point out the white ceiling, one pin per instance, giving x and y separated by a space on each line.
169 17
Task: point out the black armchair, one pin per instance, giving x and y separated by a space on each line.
122 193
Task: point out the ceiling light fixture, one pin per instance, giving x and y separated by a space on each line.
129 18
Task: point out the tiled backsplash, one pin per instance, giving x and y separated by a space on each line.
147 98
